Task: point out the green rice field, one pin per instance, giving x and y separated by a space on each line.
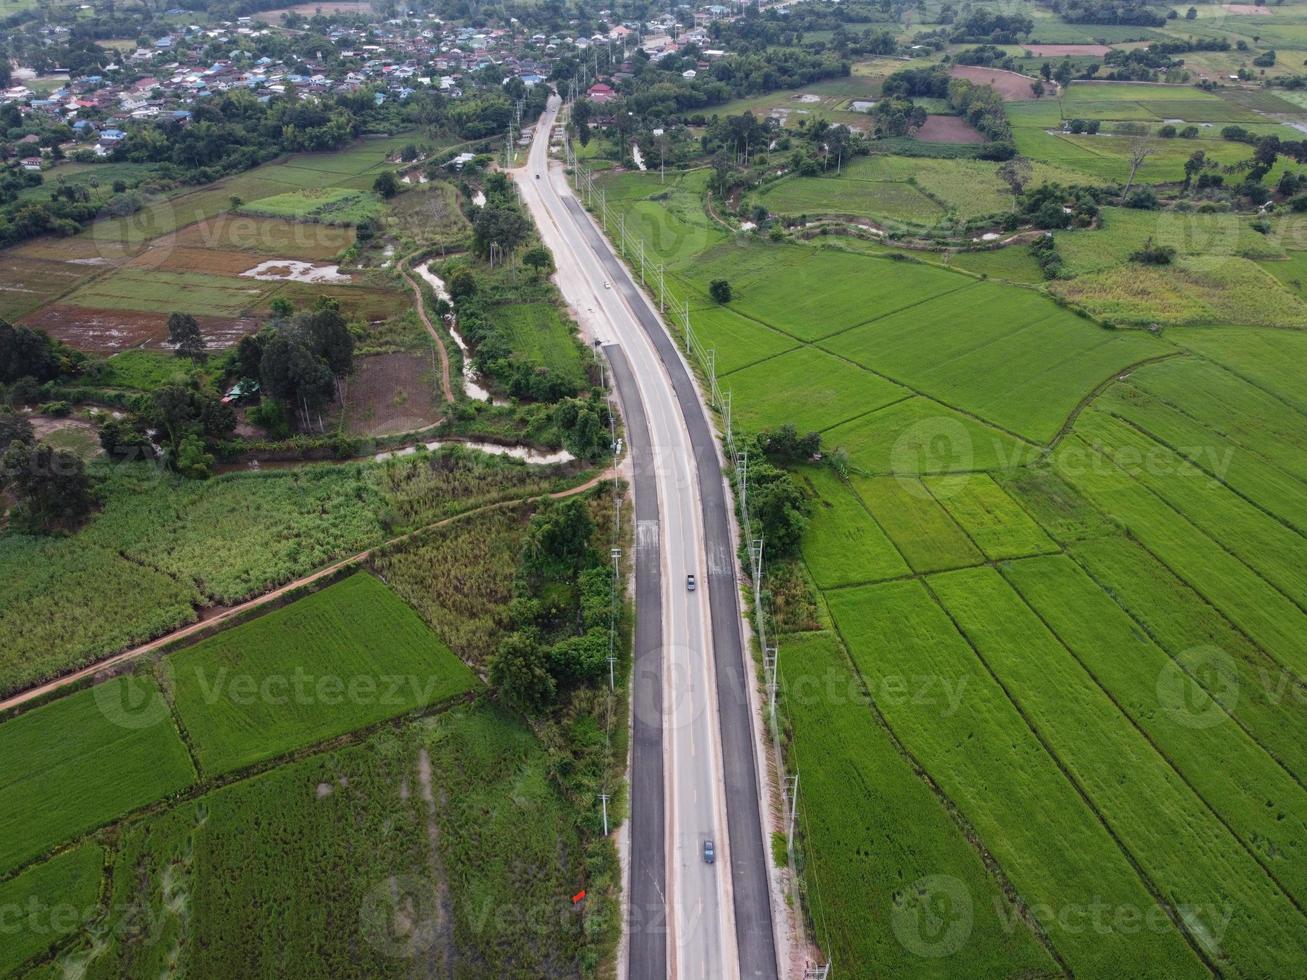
362 656
1058 562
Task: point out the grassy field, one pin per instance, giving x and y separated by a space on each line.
889 202
327 206
155 291
1198 289
162 547
842 545
541 338
362 656
81 761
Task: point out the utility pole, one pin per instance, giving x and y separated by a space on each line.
603 800
771 661
616 554
792 793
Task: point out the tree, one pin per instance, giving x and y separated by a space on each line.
192 460
52 487
462 284
281 308
505 226
386 186
785 447
720 291
518 671
27 353
1140 148
14 428
184 334
540 260
1191 13
581 120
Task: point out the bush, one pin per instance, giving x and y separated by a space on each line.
1150 254
720 291
1142 199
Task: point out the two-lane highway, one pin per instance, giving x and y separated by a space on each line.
694 770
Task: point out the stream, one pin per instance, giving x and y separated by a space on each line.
471 380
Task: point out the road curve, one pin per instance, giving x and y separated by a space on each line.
711 782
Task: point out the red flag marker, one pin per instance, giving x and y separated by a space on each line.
578 896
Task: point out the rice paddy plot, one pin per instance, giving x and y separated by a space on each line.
1010 356
737 340
814 292
1269 359
1234 672
1232 910
1275 552
879 876
1261 803
1267 617
923 531
843 544
155 291
668 214
1023 809
920 436
807 388
326 205
1242 469
989 516
883 201
47 902
1239 409
360 656
69 766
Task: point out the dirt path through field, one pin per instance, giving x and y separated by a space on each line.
446 388
118 659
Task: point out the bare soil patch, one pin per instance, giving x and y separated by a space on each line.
949 129
212 261
1009 84
1058 50
108 331
389 393
28 283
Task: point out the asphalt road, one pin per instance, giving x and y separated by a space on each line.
706 723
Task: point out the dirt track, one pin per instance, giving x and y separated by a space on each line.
446 388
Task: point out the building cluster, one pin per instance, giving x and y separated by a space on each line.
162 80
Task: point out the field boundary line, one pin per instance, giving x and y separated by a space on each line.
1144 878
1118 375
938 401
972 836
870 411
21 698
1152 744
900 309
